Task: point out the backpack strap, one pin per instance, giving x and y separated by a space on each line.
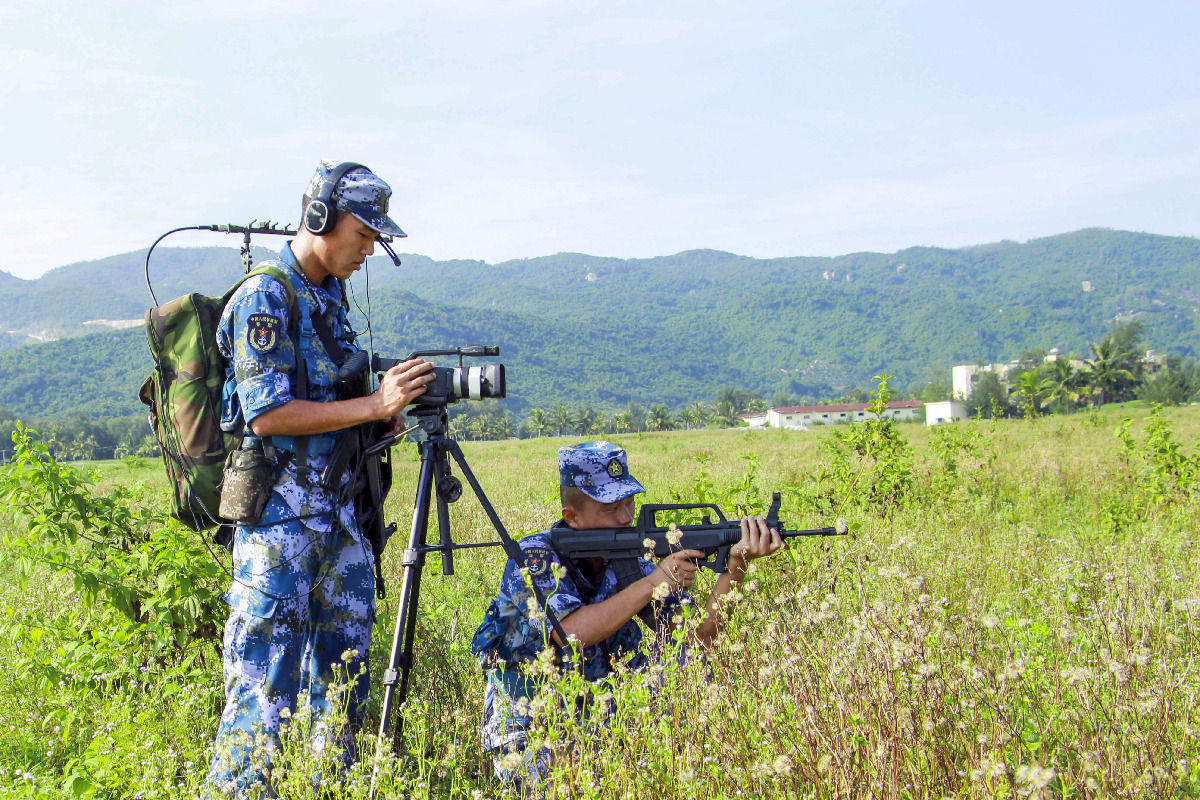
336 354
324 333
300 385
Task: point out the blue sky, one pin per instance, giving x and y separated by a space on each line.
514 129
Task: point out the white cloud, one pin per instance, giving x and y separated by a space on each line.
198 11
128 80
29 71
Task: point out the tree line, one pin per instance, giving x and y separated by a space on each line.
1116 371
490 420
79 438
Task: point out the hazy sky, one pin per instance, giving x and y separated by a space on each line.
513 129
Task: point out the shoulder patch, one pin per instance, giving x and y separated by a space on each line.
537 559
263 332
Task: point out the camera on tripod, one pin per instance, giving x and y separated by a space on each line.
450 384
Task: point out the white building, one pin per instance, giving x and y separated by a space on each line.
965 376
803 417
1076 363
1153 364
945 411
755 420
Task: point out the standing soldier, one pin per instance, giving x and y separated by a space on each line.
302 602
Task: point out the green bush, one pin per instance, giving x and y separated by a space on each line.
144 592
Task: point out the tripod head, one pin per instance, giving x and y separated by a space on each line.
431 419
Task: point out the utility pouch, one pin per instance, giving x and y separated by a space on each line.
246 487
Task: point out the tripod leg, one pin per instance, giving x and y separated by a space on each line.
400 660
511 548
445 540
440 469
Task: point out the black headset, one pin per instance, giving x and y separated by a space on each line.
320 215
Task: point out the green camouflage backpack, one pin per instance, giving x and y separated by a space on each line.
184 395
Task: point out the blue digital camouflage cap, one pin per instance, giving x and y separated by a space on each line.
599 469
360 192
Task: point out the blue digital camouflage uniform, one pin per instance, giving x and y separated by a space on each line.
509 636
304 588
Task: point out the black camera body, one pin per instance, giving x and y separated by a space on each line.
450 384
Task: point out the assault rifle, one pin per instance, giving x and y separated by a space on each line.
714 539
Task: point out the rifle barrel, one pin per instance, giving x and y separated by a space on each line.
828 531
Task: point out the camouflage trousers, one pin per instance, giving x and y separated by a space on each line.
302 606
523 768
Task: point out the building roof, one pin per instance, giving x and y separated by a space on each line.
851 407
752 415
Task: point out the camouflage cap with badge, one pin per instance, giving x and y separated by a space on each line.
360 192
599 469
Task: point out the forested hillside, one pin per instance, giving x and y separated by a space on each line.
575 328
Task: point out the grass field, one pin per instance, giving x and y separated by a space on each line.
1018 619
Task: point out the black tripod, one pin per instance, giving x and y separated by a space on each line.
435 477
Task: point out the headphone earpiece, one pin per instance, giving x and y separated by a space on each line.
321 215
316 218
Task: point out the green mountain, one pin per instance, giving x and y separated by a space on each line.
94 296
575 328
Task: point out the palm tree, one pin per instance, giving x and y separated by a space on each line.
658 418
538 422
583 419
623 422
755 404
700 413
496 425
637 416
560 419
724 413
601 423
83 448
458 427
1031 388
1109 373
148 446
1063 385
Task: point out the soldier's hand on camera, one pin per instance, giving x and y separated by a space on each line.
757 541
402 384
678 570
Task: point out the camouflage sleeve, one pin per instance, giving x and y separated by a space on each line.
255 333
671 603
562 595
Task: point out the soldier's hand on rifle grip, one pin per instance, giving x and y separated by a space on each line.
757 540
402 384
678 570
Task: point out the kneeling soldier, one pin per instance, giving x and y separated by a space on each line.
594 601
